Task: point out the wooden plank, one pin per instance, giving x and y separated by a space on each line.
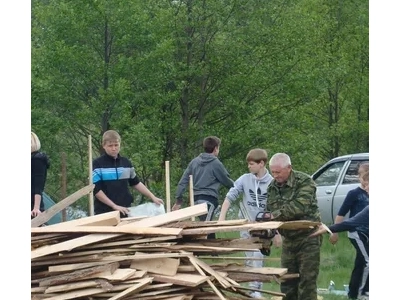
177 215
109 229
111 218
162 266
160 294
173 216
138 274
184 279
186 269
290 225
217 291
117 275
145 256
103 284
60 260
52 211
76 294
135 288
131 242
73 276
299 224
210 271
262 270
73 267
244 227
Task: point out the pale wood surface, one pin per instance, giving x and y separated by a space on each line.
181 214
106 219
133 289
162 266
128 229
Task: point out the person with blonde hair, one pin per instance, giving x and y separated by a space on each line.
251 189
113 174
39 165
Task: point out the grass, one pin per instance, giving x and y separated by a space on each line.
336 264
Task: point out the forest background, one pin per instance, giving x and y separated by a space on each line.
287 76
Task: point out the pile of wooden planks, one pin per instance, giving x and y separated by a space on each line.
162 257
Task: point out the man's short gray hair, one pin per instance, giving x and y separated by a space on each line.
280 159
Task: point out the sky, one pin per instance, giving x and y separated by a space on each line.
15 122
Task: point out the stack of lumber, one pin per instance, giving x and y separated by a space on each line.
162 257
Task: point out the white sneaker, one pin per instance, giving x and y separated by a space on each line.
256 295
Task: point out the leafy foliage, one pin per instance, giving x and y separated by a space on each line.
287 76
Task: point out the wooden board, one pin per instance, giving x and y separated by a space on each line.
117 275
109 229
103 284
163 266
76 294
184 279
52 211
76 275
177 215
262 270
135 288
107 219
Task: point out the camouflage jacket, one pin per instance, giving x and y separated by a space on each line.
295 200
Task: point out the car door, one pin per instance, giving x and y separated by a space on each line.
327 179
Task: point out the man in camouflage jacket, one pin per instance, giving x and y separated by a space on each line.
292 196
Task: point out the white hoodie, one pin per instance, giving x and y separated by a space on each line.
254 192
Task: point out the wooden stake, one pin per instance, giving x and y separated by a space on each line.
64 183
191 196
167 187
91 200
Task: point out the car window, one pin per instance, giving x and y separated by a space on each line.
330 175
351 175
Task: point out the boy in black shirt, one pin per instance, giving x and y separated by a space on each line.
112 176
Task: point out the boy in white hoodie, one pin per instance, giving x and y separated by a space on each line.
253 187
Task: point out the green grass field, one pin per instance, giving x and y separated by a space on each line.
336 264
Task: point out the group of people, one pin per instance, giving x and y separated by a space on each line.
281 194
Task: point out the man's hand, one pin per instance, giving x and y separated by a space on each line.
121 209
176 207
277 240
268 215
333 238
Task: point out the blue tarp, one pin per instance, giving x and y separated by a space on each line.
48 202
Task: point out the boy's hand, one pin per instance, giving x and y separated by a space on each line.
176 207
123 210
333 238
158 201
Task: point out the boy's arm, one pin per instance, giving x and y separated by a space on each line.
182 185
343 210
141 188
360 219
222 175
231 196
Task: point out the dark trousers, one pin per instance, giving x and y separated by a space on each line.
301 255
359 280
211 206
